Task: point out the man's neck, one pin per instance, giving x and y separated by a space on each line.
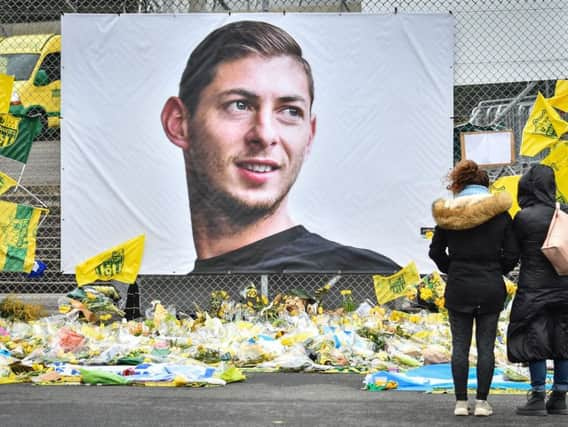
214 237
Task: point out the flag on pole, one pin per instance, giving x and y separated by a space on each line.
510 184
542 129
6 182
18 228
17 135
6 84
388 288
120 263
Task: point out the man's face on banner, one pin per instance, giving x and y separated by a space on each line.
251 132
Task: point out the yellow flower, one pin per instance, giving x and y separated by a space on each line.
429 234
411 292
91 295
264 299
440 302
426 294
346 292
64 309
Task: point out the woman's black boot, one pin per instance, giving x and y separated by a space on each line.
556 403
535 404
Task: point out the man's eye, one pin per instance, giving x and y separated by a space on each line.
238 105
293 111
241 105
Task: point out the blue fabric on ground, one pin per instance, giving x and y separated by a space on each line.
439 377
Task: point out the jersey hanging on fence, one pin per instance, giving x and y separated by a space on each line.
18 228
17 135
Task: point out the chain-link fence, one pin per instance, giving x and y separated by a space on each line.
505 53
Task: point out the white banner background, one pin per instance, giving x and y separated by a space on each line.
383 99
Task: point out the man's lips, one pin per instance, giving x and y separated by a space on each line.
258 166
257 172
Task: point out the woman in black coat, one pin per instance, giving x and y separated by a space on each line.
538 328
474 244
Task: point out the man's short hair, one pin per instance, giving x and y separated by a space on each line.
235 41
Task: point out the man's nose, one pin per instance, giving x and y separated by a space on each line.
263 129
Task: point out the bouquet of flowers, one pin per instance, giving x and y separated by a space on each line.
431 290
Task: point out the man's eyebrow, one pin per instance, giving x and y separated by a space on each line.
241 92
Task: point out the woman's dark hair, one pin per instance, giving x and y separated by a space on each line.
235 41
466 172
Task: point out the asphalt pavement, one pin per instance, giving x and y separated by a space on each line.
264 399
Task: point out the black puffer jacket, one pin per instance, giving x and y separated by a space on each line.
538 327
474 244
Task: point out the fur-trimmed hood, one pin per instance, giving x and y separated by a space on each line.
469 211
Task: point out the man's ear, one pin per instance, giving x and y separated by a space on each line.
174 121
313 126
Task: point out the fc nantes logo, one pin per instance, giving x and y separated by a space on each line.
542 125
8 130
111 266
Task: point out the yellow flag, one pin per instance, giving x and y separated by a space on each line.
560 100
6 183
561 87
562 184
388 288
18 228
558 160
120 263
6 84
542 128
510 184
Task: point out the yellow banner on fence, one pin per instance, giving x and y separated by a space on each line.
120 263
388 288
18 229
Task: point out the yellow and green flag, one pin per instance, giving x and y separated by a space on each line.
17 135
558 160
542 129
18 228
388 288
6 183
6 84
510 184
120 263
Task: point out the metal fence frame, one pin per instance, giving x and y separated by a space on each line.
502 103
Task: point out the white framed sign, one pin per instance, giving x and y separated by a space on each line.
488 148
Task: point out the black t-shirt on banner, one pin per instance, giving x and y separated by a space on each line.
297 250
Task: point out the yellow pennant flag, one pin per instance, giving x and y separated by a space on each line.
6 183
18 229
542 129
6 84
388 288
120 263
510 184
